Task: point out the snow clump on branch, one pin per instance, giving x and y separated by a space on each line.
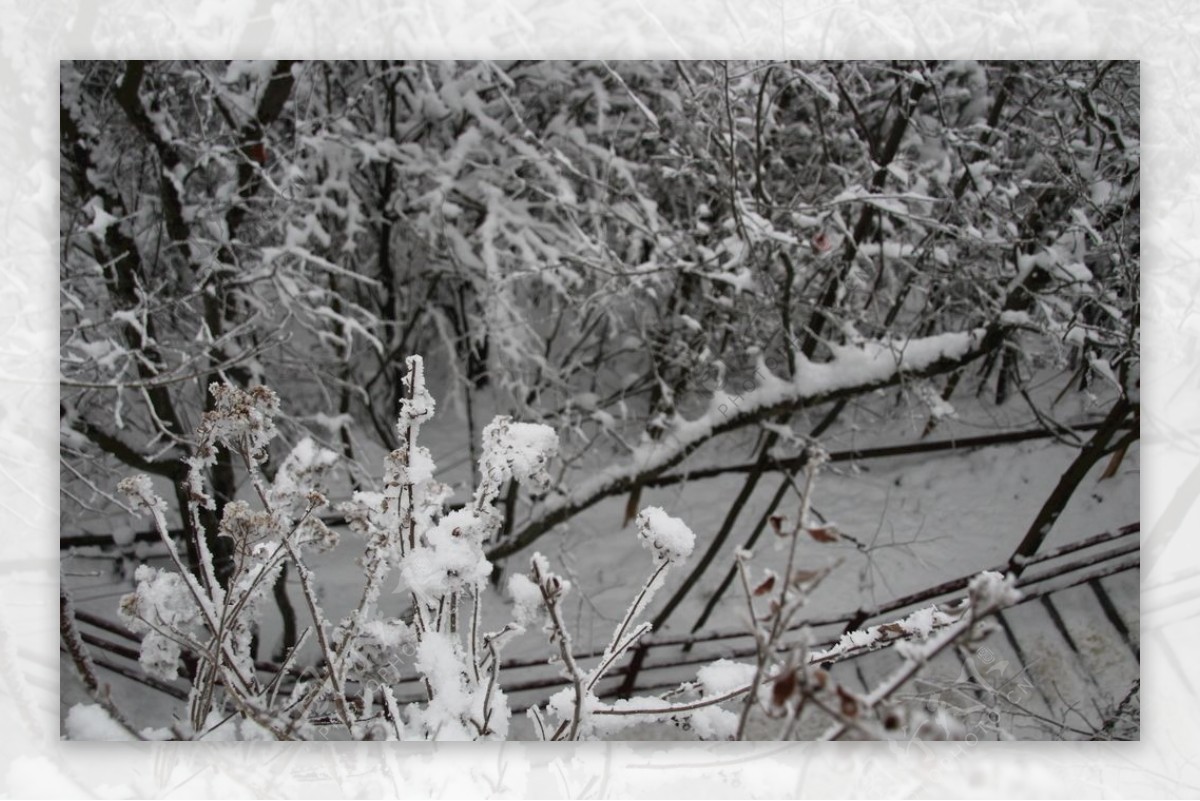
668 537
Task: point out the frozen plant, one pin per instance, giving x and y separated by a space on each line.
786 677
178 612
208 625
580 714
192 622
790 678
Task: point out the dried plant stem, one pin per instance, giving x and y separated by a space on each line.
77 650
331 671
619 643
781 613
559 632
474 635
610 657
635 608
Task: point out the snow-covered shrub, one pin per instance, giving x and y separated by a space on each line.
438 556
197 624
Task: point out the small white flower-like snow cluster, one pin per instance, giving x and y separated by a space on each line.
990 590
450 558
668 537
161 610
527 600
515 450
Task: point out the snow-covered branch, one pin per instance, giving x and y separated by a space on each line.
854 370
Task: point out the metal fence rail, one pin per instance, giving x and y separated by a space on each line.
1085 566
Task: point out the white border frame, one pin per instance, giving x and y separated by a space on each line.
35 35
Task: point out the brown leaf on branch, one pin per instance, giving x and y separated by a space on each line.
766 586
824 534
631 506
804 576
849 702
784 688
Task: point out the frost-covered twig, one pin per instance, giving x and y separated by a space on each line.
671 542
920 624
82 660
988 593
552 589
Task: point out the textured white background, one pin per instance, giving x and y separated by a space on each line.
34 763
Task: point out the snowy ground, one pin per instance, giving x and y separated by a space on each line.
923 519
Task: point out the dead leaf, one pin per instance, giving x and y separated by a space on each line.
631 506
805 576
784 688
849 702
767 584
824 534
